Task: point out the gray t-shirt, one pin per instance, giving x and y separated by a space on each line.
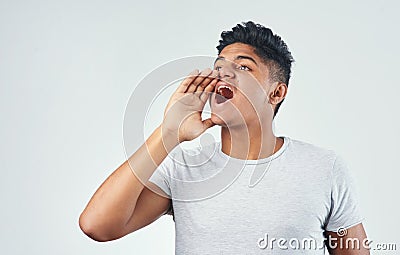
224 205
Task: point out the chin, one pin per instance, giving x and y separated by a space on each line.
227 121
217 120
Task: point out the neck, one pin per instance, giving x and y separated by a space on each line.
250 142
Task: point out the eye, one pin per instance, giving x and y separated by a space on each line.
218 68
244 68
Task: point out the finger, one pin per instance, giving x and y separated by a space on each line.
208 90
207 81
208 123
200 78
204 74
187 81
211 86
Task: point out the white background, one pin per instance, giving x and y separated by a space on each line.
67 69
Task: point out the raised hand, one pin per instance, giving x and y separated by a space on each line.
182 116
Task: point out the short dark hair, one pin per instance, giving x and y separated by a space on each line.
267 45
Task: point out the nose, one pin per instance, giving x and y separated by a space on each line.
226 71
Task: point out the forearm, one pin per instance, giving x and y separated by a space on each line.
352 243
114 201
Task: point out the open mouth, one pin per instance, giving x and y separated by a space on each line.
224 93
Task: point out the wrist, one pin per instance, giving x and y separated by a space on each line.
170 139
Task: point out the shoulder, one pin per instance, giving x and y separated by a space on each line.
312 153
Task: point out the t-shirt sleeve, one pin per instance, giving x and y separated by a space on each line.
345 208
161 178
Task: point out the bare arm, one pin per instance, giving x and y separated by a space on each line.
123 204
110 212
350 243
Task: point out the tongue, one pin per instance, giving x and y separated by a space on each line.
220 99
225 95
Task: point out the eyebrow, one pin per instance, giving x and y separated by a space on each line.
237 58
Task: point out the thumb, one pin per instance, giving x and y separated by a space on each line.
207 123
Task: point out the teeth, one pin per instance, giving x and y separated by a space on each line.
223 87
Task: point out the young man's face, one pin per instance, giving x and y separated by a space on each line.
244 80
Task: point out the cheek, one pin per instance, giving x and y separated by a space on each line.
251 91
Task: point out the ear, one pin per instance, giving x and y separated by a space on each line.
278 93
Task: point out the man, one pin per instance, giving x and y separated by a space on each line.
242 194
